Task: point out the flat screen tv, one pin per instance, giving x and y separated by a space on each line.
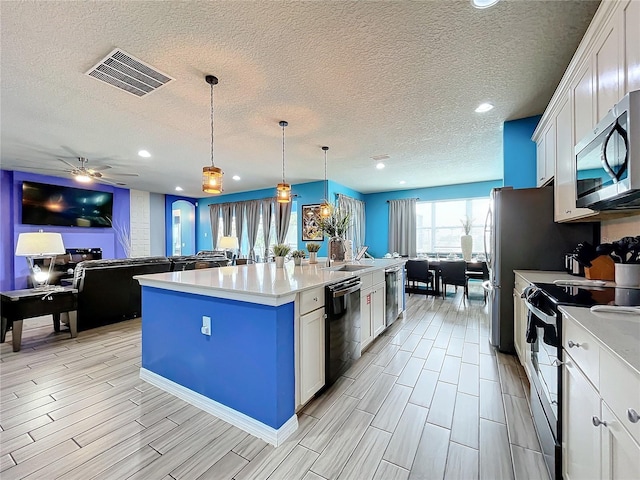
44 204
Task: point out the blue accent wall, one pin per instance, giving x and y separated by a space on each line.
246 364
73 237
377 208
519 152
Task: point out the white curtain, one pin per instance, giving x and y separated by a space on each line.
402 227
214 213
355 209
227 216
283 215
239 224
252 211
266 225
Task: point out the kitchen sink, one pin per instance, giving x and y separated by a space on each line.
349 268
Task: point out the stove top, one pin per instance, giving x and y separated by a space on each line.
583 296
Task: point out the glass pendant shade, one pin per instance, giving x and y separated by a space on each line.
212 180
325 210
283 193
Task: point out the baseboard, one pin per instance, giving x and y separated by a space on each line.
250 425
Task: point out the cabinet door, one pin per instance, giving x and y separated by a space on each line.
549 151
378 304
631 20
583 104
366 326
517 322
540 161
311 354
564 183
581 442
607 60
620 453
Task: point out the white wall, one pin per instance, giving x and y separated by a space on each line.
157 224
140 224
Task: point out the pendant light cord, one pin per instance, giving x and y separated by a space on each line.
212 164
326 186
283 153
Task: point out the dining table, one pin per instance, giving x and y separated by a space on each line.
474 265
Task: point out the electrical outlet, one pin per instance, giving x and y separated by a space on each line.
206 326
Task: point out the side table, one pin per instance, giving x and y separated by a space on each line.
18 305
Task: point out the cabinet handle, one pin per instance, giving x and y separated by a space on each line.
632 415
597 422
568 211
315 299
572 344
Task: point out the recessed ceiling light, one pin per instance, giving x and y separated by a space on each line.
402 182
379 165
484 107
484 3
236 177
144 154
179 189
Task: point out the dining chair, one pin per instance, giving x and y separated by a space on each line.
480 275
418 272
453 273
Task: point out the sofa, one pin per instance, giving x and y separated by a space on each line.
108 293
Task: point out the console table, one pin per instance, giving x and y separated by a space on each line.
18 305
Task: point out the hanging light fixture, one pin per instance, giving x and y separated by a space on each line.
212 176
325 208
283 190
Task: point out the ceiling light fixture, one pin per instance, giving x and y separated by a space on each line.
402 182
379 165
212 176
82 178
179 189
484 3
144 154
283 190
484 107
236 177
325 208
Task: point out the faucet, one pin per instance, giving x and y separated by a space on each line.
333 257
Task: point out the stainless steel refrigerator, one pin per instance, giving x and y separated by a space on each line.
522 235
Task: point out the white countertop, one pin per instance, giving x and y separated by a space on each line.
618 333
261 283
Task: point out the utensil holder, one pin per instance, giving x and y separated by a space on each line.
602 268
627 274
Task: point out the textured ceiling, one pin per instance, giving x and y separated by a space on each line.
365 78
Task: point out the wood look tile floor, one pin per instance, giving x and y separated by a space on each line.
428 399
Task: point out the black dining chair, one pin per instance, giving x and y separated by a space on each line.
481 275
418 272
453 273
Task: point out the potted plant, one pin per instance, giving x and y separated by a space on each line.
335 227
298 255
313 249
280 251
466 240
626 255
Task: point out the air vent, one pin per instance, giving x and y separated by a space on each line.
126 72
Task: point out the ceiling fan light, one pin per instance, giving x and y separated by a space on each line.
212 180
283 193
83 178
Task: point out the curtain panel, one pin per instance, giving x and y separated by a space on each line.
252 211
266 222
214 213
355 209
283 215
402 227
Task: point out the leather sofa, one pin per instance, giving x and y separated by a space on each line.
108 293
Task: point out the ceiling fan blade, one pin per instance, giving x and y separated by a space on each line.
71 151
113 174
101 168
67 163
110 182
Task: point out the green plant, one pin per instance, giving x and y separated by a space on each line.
298 254
336 224
281 250
467 223
313 247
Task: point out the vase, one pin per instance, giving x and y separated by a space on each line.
627 274
336 249
279 262
297 260
313 257
466 242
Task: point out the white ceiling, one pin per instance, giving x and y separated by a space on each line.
365 78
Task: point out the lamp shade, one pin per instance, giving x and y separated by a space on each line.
39 243
229 242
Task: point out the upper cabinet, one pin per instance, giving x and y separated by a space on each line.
605 67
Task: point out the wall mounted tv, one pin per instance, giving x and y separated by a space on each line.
44 204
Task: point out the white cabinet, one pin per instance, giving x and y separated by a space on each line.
607 60
378 304
583 104
546 155
519 325
366 325
540 162
620 453
630 22
312 354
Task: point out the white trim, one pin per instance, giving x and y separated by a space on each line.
250 425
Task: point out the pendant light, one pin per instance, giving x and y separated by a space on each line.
325 208
283 190
212 176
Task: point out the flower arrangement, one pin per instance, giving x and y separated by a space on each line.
467 223
298 254
313 247
281 250
336 224
626 250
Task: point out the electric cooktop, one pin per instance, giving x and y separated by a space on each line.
588 296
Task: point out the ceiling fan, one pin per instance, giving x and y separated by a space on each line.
83 174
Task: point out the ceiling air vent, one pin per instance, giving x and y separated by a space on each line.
126 72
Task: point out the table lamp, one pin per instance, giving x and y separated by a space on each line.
229 243
40 245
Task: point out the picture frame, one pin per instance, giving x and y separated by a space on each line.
310 223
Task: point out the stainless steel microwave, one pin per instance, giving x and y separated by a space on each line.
608 160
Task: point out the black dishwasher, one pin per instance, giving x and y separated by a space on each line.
342 328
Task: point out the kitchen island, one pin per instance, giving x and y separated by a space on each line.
225 339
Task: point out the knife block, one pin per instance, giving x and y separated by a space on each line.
602 268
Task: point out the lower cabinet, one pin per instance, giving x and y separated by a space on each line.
311 354
366 325
620 452
372 307
378 304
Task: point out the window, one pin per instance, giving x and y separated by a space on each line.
438 224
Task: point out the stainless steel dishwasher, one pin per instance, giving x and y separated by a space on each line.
342 328
391 277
